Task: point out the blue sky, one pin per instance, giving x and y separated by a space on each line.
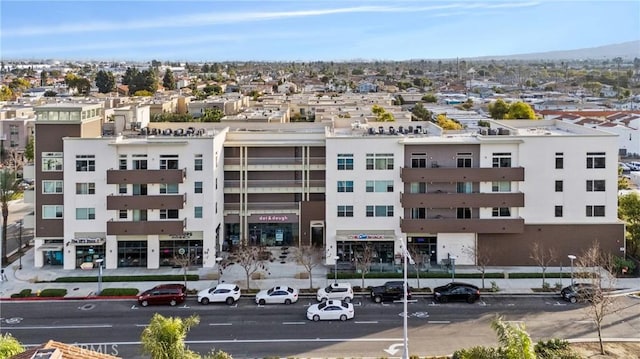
307 30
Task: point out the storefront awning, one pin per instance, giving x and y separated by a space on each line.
50 247
88 241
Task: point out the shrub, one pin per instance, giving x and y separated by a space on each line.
478 353
116 292
53 292
22 294
555 349
130 278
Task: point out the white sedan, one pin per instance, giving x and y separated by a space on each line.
282 294
222 293
330 310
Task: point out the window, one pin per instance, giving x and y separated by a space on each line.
52 187
140 189
464 187
379 186
52 162
559 185
122 162
501 186
85 213
418 213
379 211
463 160
345 211
595 186
197 212
501 159
595 211
168 162
197 187
501 212
596 160
85 163
122 214
86 188
139 215
345 186
166 188
559 160
168 214
51 212
197 163
345 161
139 162
558 211
122 189
418 187
379 161
418 160
462 213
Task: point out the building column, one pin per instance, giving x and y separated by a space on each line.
69 253
111 252
153 251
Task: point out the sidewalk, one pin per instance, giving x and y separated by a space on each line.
278 274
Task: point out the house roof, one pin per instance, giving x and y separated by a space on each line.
67 352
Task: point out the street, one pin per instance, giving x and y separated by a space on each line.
247 330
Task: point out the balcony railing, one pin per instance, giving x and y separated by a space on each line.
163 201
469 200
275 183
263 206
168 227
462 174
145 176
265 161
455 225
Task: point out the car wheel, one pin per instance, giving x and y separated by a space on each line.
443 299
377 299
262 302
573 300
316 318
144 303
173 303
287 301
229 301
205 301
347 299
343 317
471 299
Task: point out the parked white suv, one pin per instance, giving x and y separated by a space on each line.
339 291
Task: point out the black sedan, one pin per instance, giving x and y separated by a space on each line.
456 291
579 292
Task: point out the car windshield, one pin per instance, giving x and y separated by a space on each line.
328 289
271 291
322 305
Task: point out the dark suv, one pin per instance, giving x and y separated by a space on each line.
171 294
393 290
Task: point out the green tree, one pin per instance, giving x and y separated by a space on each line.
5 93
515 340
50 93
43 78
129 75
447 123
421 113
629 212
105 81
19 84
212 115
593 86
498 109
169 81
430 98
145 93
521 111
9 346
164 338
381 114
28 149
8 190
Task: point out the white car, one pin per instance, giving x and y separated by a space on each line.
222 293
330 310
282 294
339 291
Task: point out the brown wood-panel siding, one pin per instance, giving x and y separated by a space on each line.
310 211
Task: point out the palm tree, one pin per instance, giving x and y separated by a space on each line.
8 190
164 337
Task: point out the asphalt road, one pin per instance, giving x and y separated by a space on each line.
249 331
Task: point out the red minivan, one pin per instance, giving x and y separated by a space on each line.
171 294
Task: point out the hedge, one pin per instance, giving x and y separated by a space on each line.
23 294
129 278
425 275
53 292
116 292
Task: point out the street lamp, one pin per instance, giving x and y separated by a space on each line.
218 260
453 268
405 331
571 257
335 269
20 222
99 262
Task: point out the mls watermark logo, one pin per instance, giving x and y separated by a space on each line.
109 349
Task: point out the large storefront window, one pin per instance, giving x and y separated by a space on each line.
53 258
88 254
350 251
132 254
272 234
170 252
427 248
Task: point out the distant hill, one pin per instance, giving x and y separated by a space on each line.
626 50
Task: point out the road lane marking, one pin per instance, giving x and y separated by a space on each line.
292 323
235 341
585 321
220 323
63 327
142 325
439 322
366 322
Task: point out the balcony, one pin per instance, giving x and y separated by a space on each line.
462 174
274 163
264 206
145 176
164 201
175 227
454 200
266 186
455 225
